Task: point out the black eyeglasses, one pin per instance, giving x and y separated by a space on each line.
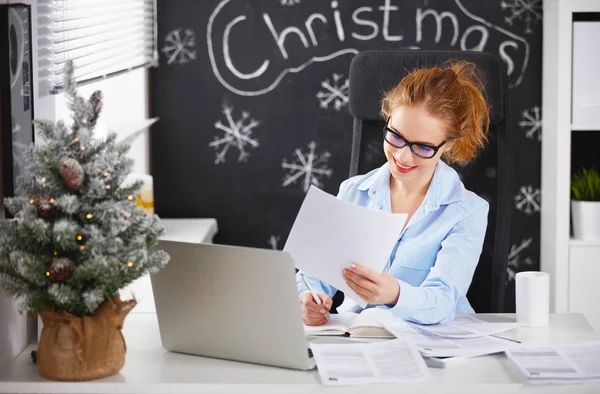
424 151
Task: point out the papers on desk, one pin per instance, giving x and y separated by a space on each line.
467 326
564 364
330 234
431 345
363 363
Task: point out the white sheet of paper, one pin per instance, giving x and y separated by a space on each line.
329 234
574 361
467 326
363 363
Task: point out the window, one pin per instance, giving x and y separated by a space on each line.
102 37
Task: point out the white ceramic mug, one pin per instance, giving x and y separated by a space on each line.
532 296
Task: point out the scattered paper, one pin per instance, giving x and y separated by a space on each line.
364 363
467 326
576 363
432 345
329 234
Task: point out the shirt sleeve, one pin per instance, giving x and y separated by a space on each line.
435 300
319 286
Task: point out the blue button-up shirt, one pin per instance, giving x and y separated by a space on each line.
437 252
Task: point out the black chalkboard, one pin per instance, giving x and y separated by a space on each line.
252 100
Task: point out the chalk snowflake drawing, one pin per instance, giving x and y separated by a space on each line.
289 2
532 120
528 199
515 262
179 48
336 92
274 242
237 134
527 10
309 165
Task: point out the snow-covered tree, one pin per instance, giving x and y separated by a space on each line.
77 236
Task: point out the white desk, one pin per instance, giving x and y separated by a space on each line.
197 231
151 369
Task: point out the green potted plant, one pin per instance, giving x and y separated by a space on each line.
585 204
76 239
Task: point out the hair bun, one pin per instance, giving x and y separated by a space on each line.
454 93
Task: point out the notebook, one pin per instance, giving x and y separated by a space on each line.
359 325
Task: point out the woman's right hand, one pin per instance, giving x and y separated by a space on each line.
312 313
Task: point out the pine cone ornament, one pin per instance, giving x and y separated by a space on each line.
71 173
96 101
61 269
44 204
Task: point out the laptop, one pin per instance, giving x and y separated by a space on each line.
231 302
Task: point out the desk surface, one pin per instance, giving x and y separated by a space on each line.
151 369
189 230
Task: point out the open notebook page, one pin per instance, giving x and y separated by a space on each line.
368 323
338 325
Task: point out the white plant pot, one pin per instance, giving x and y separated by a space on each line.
586 219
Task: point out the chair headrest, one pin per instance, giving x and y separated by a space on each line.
374 72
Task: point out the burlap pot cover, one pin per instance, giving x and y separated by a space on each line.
82 348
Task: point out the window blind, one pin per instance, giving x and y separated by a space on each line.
102 37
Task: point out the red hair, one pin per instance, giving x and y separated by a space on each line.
453 93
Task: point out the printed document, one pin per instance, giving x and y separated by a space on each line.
554 363
329 234
467 326
363 363
432 345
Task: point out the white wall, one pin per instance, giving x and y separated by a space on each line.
125 102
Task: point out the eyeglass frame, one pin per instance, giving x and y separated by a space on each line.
410 144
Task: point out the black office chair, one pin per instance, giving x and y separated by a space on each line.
489 175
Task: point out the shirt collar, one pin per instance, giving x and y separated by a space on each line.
442 190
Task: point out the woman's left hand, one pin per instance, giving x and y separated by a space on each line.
372 287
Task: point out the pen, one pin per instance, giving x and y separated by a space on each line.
506 339
314 296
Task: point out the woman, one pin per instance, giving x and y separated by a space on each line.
431 114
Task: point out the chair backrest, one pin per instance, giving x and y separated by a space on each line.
489 175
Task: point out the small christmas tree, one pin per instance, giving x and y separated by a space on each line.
77 236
